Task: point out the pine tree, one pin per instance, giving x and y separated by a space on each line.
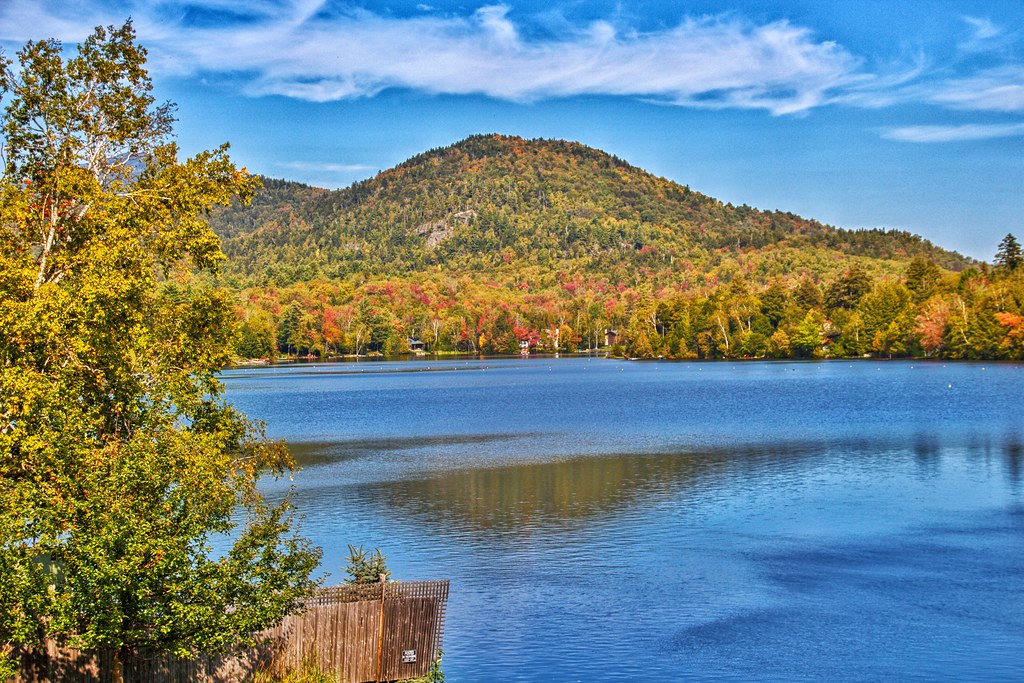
1009 256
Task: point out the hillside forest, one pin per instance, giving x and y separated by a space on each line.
499 245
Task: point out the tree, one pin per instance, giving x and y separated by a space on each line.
847 291
1009 255
779 345
933 325
1013 342
886 303
923 277
773 303
120 462
807 336
365 566
807 295
255 336
288 330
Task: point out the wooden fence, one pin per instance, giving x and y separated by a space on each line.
358 633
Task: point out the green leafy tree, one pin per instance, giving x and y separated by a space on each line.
120 463
753 344
807 336
639 345
255 337
851 341
890 340
886 303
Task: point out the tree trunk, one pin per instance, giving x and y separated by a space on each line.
117 666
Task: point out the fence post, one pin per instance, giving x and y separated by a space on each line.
380 633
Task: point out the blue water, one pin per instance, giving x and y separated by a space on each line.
618 521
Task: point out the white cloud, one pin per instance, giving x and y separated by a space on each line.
494 20
711 63
1000 89
960 133
298 51
984 29
320 51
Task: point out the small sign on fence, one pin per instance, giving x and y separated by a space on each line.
408 656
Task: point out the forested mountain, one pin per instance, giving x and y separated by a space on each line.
498 243
493 202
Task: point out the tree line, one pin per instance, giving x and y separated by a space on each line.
922 311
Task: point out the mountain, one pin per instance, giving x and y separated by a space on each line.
498 244
497 204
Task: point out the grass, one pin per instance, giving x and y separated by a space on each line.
312 672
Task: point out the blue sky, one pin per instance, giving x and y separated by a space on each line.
860 113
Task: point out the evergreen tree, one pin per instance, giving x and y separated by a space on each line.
922 277
847 291
1009 256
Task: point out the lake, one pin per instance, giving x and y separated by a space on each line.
606 520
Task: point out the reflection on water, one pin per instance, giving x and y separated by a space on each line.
615 521
528 496
1014 454
307 453
565 493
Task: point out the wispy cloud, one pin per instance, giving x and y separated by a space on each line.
985 35
962 133
299 50
712 63
984 29
326 167
321 51
1000 89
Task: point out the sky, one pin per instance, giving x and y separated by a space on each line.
903 114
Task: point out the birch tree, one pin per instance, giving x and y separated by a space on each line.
120 462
